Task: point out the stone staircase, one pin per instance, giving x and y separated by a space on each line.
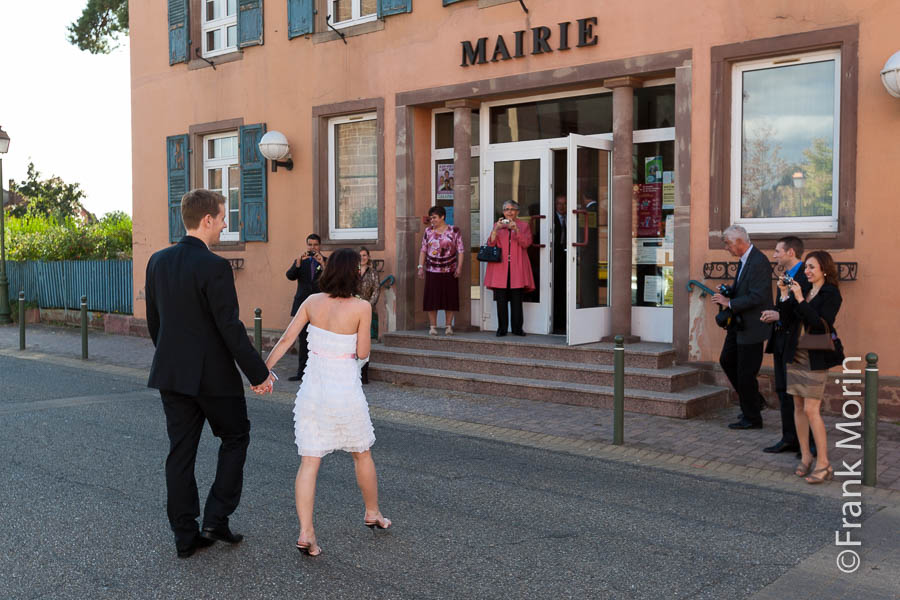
543 368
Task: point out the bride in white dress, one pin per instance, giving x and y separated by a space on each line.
330 412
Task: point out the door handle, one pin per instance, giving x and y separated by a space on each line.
537 217
584 212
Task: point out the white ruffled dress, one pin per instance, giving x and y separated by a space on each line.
330 412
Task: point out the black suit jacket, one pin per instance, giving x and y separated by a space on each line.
788 322
825 305
193 317
752 294
307 282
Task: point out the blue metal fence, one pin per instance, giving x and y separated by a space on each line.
61 284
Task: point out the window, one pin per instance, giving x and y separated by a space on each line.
353 177
785 143
219 26
221 173
344 13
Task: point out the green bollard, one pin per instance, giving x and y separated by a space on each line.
619 391
84 323
257 330
21 320
870 427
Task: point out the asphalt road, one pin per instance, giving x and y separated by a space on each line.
83 512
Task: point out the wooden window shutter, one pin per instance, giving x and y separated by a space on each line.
179 20
300 17
446 2
253 184
393 7
250 23
178 166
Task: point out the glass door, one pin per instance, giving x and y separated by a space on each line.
589 189
521 175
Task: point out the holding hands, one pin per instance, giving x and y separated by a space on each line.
267 386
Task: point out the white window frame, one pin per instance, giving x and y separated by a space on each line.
444 153
827 224
355 233
224 164
356 18
220 23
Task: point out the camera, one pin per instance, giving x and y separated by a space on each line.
787 280
504 221
310 252
725 318
726 290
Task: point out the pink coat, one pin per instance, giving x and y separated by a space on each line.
513 249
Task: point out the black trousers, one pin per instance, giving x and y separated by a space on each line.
302 349
741 364
505 299
228 420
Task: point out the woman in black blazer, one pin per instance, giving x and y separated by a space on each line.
807 369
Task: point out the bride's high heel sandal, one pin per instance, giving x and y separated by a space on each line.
380 522
309 548
827 474
803 469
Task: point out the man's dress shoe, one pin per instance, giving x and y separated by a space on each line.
199 542
745 424
223 534
295 377
781 446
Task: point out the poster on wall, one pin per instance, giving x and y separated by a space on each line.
444 182
648 198
653 172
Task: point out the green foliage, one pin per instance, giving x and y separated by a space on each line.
51 197
97 29
42 237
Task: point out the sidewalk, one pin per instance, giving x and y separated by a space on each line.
704 439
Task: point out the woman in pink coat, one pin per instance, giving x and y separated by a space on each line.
511 277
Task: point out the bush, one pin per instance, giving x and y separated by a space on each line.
41 237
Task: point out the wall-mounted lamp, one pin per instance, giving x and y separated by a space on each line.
890 75
274 146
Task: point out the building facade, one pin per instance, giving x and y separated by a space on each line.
631 138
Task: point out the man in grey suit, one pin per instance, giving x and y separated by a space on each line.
742 352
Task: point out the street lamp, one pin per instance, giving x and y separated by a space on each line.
4 282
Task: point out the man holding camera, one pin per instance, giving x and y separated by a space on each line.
746 298
787 255
305 270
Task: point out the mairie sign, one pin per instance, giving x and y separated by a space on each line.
541 39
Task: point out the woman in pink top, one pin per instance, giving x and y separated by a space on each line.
440 265
511 277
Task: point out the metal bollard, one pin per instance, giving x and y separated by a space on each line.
870 427
84 332
21 320
619 391
257 330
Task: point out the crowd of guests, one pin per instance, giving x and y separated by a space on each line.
797 328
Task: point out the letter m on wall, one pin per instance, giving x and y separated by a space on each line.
178 31
178 164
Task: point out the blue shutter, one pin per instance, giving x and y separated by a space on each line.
178 166
178 31
300 17
250 23
387 8
446 2
253 184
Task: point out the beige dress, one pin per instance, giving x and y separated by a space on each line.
801 380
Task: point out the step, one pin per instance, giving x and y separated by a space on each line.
683 405
649 355
666 379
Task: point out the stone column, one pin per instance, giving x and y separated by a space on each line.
681 309
462 201
407 224
622 205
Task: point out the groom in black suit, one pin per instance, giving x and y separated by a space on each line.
742 352
193 318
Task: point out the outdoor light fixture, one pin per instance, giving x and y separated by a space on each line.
890 75
4 282
274 146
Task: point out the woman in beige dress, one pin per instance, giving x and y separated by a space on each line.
369 290
808 369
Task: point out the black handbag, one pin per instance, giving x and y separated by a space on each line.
489 254
818 341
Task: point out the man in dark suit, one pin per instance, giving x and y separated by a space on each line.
305 270
788 251
742 352
559 264
192 315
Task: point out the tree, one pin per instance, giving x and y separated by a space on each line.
51 197
762 168
97 29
